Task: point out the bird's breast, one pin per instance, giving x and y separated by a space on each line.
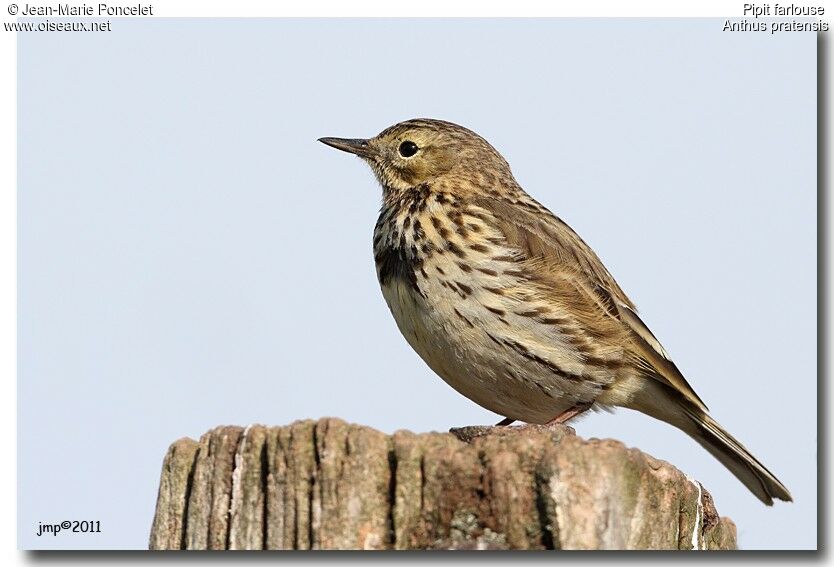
462 299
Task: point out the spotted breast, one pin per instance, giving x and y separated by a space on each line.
459 297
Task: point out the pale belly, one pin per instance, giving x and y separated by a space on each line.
504 368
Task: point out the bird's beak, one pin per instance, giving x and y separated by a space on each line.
357 146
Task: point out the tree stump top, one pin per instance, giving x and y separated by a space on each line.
328 484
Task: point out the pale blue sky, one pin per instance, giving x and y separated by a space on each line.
190 256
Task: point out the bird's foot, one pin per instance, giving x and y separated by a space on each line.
570 413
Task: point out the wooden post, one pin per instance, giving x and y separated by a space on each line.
331 485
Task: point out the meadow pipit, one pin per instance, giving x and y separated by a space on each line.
508 304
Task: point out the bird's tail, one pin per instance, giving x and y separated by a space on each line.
661 402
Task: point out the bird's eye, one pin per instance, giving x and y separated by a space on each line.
408 149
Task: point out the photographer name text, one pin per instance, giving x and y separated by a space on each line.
87 10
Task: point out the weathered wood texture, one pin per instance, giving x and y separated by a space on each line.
331 485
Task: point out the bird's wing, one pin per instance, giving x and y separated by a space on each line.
557 253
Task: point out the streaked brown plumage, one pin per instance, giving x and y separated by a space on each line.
508 304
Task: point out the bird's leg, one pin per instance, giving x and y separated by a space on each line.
505 422
570 413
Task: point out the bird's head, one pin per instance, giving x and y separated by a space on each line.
420 151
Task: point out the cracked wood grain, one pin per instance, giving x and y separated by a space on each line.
328 484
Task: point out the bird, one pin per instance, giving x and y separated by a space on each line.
508 305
